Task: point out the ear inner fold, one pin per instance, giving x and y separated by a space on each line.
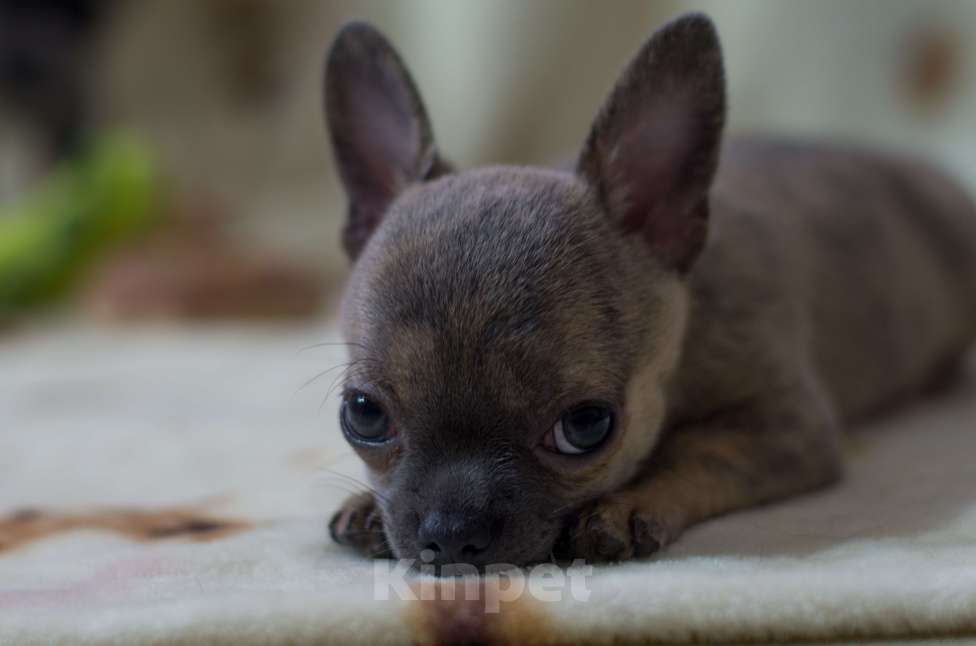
381 136
653 148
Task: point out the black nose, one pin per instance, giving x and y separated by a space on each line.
455 538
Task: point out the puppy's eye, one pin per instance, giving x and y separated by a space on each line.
580 429
363 418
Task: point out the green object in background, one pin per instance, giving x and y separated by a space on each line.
108 193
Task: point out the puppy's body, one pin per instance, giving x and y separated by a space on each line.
859 268
487 308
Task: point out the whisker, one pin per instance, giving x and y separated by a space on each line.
332 386
322 374
367 488
344 488
328 344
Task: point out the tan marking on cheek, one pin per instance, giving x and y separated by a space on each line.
23 527
646 405
635 437
476 611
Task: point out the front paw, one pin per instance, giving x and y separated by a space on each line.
616 530
358 524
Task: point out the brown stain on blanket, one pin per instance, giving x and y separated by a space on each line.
28 525
451 615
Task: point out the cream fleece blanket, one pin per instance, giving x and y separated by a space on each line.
174 486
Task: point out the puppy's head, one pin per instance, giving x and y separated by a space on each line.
512 330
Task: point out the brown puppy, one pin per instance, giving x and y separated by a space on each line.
592 361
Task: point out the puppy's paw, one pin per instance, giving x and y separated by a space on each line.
358 524
617 530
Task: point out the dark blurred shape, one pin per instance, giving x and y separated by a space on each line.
245 43
44 57
932 69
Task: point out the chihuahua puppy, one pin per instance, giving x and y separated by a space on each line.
583 363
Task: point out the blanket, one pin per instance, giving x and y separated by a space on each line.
174 485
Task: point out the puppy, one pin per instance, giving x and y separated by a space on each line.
584 363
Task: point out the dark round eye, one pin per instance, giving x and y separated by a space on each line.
581 429
363 418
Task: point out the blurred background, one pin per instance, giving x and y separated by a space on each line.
169 211
166 159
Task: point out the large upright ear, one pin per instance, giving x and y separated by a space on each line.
381 136
653 148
